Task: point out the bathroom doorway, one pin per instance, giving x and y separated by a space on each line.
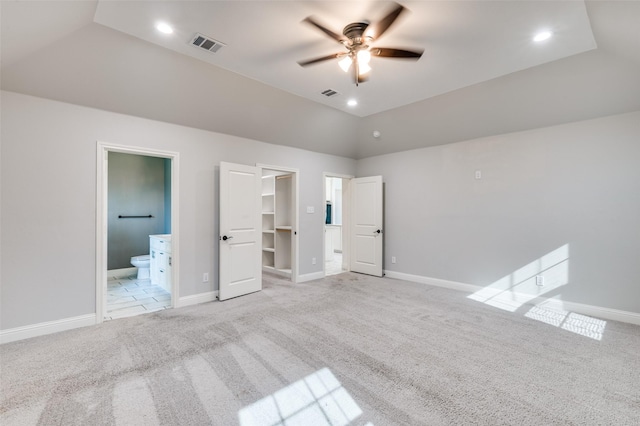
136 254
336 224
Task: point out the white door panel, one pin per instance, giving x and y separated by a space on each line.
240 241
366 234
366 250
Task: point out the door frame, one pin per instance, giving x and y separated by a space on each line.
346 219
102 222
296 211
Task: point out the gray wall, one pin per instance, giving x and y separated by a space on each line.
49 201
136 187
576 184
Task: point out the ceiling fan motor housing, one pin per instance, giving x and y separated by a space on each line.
354 32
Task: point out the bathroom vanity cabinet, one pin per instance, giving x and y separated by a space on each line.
277 216
160 257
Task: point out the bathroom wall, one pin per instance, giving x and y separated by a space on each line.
167 195
136 188
334 195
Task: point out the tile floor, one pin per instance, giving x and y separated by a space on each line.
128 296
334 266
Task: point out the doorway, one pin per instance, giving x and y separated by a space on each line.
137 222
280 221
258 226
336 224
361 231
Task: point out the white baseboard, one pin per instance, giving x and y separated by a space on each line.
469 288
310 277
593 311
43 328
579 308
122 273
197 299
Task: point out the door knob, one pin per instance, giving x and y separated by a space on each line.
225 238
377 231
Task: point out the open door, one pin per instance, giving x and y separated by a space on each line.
366 227
240 243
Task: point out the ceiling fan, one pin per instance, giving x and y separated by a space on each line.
356 38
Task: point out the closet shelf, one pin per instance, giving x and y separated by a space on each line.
277 234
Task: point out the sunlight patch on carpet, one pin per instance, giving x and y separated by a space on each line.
318 399
570 321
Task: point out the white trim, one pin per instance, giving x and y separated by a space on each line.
469 288
43 328
579 308
594 311
121 273
101 218
311 276
195 299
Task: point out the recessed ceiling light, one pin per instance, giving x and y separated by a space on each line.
542 36
352 102
165 28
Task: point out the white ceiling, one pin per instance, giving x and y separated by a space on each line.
465 42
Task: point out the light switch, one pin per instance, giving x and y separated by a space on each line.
311 209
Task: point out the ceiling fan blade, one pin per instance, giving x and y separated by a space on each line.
387 52
320 59
363 78
375 30
311 21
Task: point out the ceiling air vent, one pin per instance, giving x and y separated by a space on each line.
206 43
329 93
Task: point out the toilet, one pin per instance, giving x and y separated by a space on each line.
142 263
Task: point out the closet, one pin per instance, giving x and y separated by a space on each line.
277 222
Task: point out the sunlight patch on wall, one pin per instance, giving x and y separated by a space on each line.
570 321
518 288
318 399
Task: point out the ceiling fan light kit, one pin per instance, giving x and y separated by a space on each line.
356 38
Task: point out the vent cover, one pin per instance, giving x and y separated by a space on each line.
206 43
329 93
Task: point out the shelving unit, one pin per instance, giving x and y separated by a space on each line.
276 223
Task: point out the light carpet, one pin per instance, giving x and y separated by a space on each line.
348 349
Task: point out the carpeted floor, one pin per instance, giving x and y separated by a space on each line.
349 349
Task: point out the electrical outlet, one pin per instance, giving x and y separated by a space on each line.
393 259
313 260
539 280
205 277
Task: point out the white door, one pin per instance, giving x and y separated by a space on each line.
240 241
366 225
